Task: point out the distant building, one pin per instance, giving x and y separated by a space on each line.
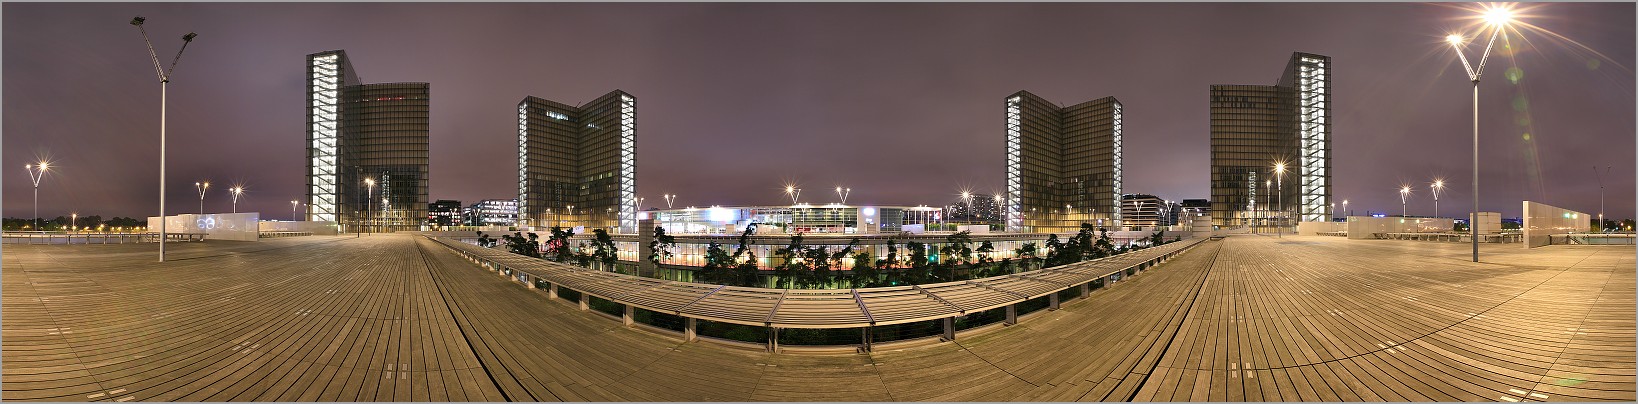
1143 210
365 132
983 209
1253 127
807 219
444 212
1063 164
577 165
492 212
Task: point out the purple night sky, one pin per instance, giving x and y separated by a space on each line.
901 102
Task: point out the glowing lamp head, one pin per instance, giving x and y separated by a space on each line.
789 189
1498 16
1455 39
1404 190
1279 168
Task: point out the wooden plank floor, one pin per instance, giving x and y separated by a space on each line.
399 318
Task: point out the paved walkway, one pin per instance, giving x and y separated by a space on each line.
396 317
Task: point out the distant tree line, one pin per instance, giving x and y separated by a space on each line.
92 222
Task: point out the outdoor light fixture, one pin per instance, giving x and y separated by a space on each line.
164 76
202 187
237 190
1497 17
1404 191
1438 185
36 172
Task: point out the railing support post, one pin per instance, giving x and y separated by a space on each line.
1086 290
626 317
529 281
583 298
551 290
1012 314
864 339
690 330
949 328
773 340
1052 301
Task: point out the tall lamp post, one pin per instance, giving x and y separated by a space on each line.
164 81
1438 185
237 190
369 201
201 186
1345 212
1404 192
293 214
793 192
1600 177
669 198
1279 195
842 192
1497 18
36 172
968 198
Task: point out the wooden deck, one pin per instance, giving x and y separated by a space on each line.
401 318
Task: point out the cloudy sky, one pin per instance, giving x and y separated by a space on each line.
900 102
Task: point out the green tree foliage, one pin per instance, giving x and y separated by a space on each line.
517 243
603 250
918 271
557 245
1028 256
661 246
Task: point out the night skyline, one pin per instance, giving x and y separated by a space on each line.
897 101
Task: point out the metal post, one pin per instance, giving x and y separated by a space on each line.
773 340
690 329
163 84
1012 314
1052 301
1474 226
627 316
949 328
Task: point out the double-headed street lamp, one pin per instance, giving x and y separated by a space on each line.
793 192
967 196
842 192
369 200
237 190
201 186
1497 18
669 198
36 172
164 81
293 214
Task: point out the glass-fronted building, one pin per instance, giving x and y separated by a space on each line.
361 134
1063 164
577 165
1255 127
806 219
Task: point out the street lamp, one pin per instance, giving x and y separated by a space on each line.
842 192
164 81
793 192
369 200
669 198
968 197
1438 185
36 173
237 190
1279 195
73 221
1600 177
1404 191
998 209
1496 17
293 213
201 186
1345 212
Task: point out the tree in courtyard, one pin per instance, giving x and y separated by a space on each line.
603 250
661 246
1028 256
558 247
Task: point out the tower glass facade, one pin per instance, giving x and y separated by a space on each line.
577 165
1254 127
1063 164
359 131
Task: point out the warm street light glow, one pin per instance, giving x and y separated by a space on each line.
237 190
1498 16
35 174
1455 39
202 186
1438 185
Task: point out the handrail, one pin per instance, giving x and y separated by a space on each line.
820 310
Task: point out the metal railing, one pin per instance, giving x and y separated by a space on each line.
92 238
751 315
1592 239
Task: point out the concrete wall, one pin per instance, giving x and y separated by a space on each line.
1315 228
1542 220
1488 222
1366 227
218 226
317 228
